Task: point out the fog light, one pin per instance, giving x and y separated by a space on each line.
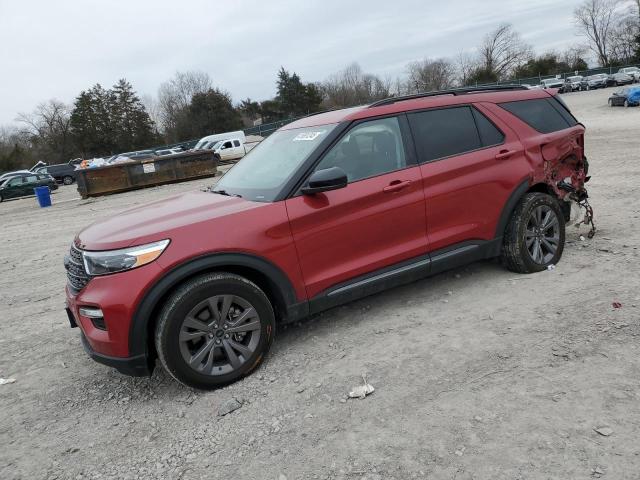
96 316
90 312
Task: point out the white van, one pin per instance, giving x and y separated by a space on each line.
207 142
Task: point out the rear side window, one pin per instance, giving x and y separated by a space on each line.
236 143
445 132
489 133
540 114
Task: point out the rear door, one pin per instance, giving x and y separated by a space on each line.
470 163
376 221
557 140
238 151
30 182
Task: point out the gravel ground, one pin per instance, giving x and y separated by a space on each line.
479 373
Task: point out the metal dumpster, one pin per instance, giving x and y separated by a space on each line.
93 182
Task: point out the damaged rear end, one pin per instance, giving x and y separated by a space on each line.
565 168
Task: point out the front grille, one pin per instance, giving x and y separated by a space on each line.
76 274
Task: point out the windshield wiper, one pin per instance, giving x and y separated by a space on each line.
224 192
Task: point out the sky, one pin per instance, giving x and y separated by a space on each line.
55 49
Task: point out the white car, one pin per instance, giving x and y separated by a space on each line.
633 72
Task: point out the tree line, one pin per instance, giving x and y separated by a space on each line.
104 121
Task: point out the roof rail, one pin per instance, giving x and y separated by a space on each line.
452 91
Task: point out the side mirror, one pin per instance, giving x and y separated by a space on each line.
325 180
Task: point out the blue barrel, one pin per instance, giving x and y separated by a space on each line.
43 195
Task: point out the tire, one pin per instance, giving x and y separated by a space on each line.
1 199
220 356
67 180
519 252
626 103
610 103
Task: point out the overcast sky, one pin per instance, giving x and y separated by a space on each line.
55 49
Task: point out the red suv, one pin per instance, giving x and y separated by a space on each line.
328 209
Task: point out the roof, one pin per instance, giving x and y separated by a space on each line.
405 104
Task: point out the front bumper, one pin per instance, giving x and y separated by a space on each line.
118 296
134 366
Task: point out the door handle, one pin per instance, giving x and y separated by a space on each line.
396 186
504 154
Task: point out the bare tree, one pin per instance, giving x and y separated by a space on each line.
622 41
595 20
426 75
465 65
176 94
502 50
575 55
48 127
352 86
152 106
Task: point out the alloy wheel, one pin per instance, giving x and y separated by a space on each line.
220 334
542 235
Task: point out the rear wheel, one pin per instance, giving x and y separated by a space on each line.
67 180
534 237
214 329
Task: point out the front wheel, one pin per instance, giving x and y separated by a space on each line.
534 237
626 103
610 103
213 330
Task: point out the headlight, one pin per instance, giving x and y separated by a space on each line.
112 261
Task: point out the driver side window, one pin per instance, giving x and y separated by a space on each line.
369 149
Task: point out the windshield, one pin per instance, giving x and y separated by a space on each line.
262 173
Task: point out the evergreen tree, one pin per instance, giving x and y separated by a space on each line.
104 122
92 123
296 98
132 125
208 113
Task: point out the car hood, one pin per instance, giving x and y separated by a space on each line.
158 220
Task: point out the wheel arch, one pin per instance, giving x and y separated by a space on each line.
271 279
516 195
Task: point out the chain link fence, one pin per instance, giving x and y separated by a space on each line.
539 78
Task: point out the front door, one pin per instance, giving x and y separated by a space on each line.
15 189
376 221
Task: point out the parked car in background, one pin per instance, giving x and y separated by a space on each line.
22 185
63 173
330 208
625 97
15 173
168 151
632 71
597 81
618 79
6 175
552 83
139 155
206 143
231 149
573 83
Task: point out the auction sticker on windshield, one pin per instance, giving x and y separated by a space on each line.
307 136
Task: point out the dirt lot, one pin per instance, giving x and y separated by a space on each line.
479 373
